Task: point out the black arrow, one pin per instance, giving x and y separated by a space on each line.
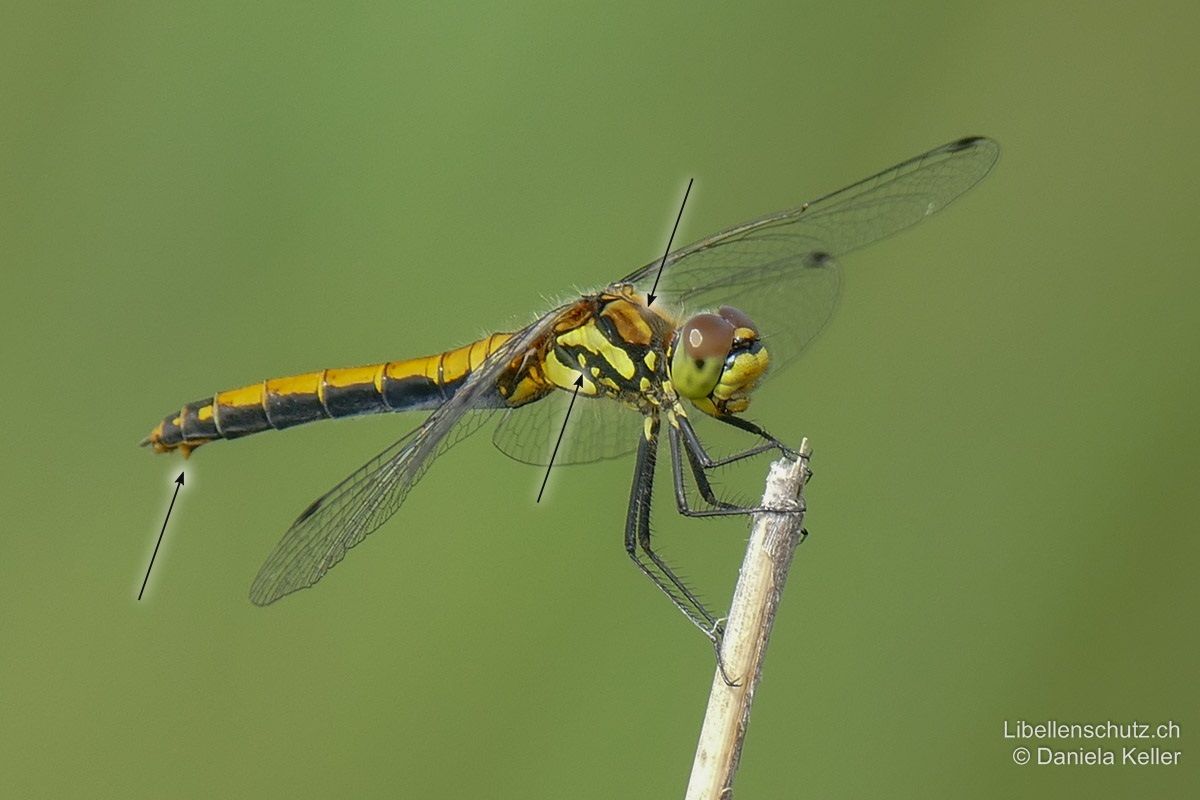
650 297
178 483
578 383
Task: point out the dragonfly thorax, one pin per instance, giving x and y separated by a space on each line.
716 361
613 344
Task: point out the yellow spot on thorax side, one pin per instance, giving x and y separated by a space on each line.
563 375
591 339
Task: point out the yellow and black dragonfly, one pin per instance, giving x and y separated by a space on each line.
728 309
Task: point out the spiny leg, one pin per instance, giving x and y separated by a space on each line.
702 483
694 445
699 461
771 441
637 535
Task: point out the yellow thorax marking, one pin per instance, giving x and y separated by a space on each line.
591 339
563 375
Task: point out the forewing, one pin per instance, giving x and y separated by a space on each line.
781 270
344 516
598 428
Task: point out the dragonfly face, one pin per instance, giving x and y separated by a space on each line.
717 360
637 364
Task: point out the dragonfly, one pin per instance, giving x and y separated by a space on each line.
727 310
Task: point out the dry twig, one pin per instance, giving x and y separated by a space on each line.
764 571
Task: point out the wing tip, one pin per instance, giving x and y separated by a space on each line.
966 142
261 595
982 144
264 595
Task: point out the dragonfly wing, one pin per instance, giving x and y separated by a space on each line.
790 293
344 516
772 262
598 429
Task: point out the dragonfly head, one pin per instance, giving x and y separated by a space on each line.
717 360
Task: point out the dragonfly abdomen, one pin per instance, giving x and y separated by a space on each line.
278 403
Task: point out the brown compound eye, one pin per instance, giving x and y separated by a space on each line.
738 319
707 336
704 342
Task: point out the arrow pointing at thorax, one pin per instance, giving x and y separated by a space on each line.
651 296
578 383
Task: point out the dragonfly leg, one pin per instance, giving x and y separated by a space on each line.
709 462
684 439
770 442
637 541
757 430
698 474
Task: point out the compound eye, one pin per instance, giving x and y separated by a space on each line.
707 336
704 342
746 329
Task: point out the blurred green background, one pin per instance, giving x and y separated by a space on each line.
1003 412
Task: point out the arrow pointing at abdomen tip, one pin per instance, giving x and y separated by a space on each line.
178 483
578 383
651 296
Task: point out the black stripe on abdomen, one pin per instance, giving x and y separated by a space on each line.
347 399
411 392
240 420
293 408
196 421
